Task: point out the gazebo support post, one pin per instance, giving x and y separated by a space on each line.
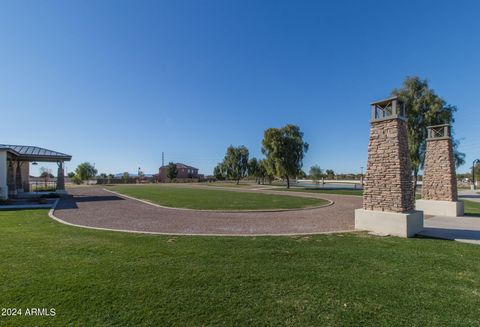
60 178
3 175
18 177
11 179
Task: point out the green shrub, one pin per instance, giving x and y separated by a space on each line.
77 180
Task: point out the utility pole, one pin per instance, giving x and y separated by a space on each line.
163 159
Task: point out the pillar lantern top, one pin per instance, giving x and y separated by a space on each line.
438 132
391 108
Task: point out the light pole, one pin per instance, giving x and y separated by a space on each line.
475 162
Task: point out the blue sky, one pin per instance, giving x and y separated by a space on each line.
118 82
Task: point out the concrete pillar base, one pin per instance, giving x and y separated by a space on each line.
392 223
440 208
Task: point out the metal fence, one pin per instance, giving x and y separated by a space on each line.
42 186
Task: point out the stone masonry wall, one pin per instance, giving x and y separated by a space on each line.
388 185
439 180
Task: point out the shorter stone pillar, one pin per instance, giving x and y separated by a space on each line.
60 178
439 186
388 199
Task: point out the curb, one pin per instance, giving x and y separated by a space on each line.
224 211
51 214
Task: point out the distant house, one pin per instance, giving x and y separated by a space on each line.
184 172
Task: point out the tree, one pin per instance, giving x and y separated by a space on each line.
424 108
266 171
219 172
85 171
316 173
77 180
71 174
301 174
172 171
459 156
330 173
235 163
284 148
140 175
253 169
46 174
126 177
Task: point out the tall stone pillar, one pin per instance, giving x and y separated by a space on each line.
61 177
388 199
439 186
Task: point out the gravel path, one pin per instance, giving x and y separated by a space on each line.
95 207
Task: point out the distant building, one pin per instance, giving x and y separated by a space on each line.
184 172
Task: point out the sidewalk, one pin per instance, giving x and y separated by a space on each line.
469 195
462 229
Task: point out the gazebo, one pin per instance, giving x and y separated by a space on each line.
15 167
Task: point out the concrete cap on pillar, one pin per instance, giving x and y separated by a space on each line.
439 132
391 108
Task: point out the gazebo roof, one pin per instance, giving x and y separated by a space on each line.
34 153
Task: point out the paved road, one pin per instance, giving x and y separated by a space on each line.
95 207
469 195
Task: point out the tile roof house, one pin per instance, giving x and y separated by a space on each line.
184 172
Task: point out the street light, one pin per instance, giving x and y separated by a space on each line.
475 162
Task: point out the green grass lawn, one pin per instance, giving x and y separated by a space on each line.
201 198
472 208
232 184
322 190
96 278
